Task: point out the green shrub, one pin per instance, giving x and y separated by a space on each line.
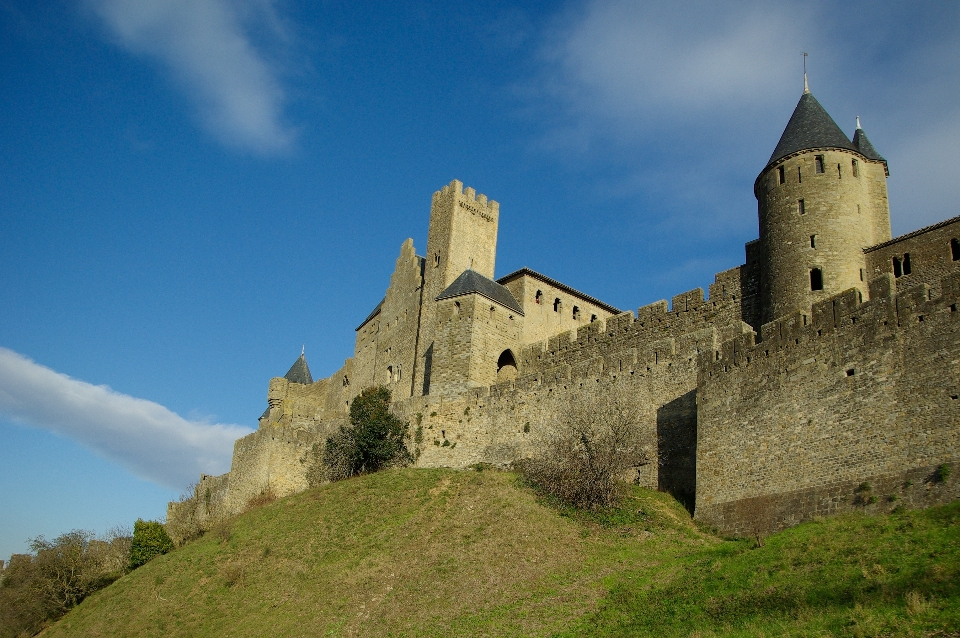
375 438
941 474
150 539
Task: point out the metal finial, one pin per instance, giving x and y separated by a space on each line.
303 349
806 87
858 123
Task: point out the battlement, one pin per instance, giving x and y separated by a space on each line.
469 197
862 323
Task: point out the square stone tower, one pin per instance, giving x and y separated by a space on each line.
462 236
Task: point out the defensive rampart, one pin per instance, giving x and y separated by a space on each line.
853 406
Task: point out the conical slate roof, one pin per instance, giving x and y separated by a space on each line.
810 126
864 146
299 372
470 281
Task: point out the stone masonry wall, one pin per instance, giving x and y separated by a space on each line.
854 406
543 318
818 220
385 349
931 257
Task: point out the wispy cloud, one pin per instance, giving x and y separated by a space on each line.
205 45
145 437
683 102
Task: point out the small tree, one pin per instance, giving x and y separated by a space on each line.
150 539
374 439
66 572
597 438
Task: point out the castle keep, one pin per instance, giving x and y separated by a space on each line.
823 374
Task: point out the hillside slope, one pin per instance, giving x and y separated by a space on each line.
443 553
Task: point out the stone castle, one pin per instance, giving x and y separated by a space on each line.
821 375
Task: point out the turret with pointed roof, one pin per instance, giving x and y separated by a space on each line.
865 148
821 199
299 372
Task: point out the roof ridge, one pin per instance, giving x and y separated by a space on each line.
561 285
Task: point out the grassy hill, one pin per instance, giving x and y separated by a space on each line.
443 553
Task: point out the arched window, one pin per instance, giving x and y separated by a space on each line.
506 366
389 374
556 304
955 249
538 296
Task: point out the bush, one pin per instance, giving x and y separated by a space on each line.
941 474
150 539
585 454
375 438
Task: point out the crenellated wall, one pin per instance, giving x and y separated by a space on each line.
853 402
857 394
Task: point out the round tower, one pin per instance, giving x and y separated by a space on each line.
821 200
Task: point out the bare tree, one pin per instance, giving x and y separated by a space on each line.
183 523
594 443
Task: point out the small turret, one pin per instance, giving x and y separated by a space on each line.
865 148
299 372
821 200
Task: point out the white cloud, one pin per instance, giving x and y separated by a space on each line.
683 102
645 63
143 436
204 44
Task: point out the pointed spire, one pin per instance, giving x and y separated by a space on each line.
299 372
810 126
863 144
806 86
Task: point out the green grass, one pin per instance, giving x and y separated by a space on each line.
443 553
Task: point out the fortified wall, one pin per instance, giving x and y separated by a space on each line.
821 375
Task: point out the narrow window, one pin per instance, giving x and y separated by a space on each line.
861 274
389 374
399 372
856 168
538 296
593 318
955 249
816 279
456 307
799 176
780 175
813 241
801 208
839 172
576 312
906 263
346 381
556 304
436 260
819 163
897 267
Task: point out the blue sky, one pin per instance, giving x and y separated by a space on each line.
190 191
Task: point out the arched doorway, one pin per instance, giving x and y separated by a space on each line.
506 366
